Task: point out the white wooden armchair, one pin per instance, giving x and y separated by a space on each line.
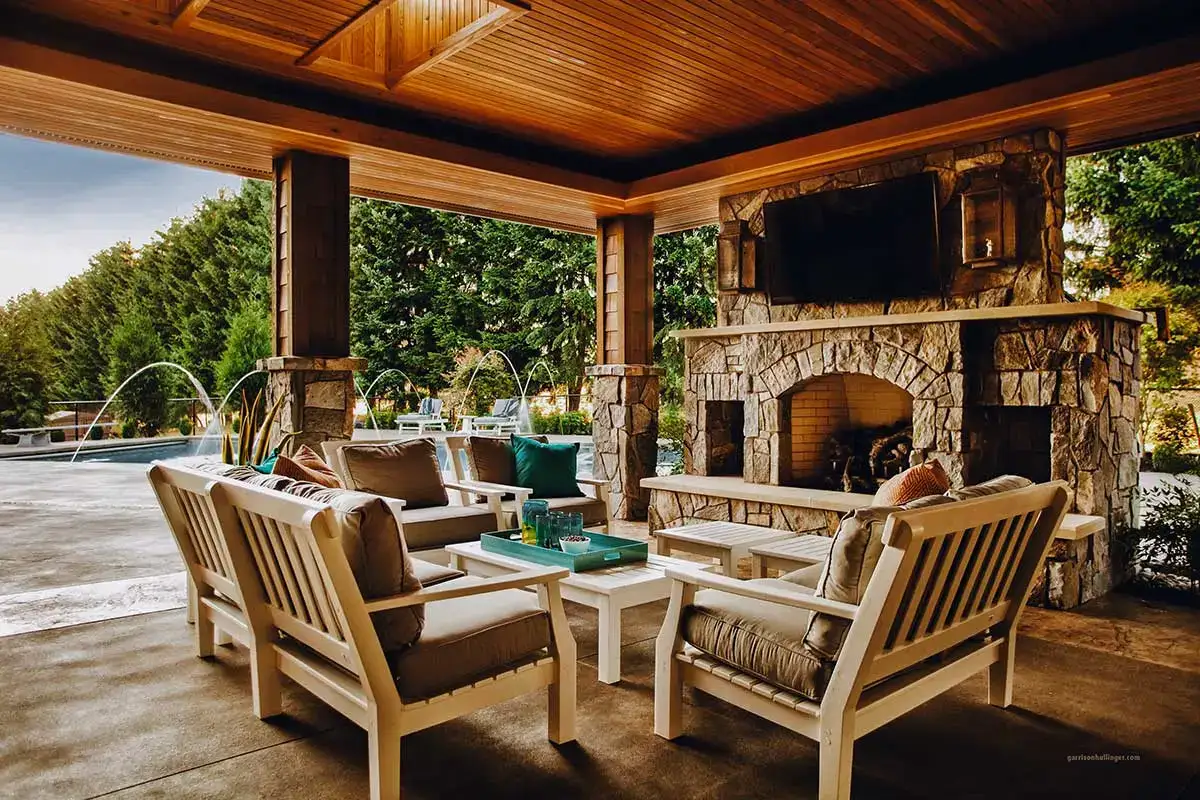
309 621
942 605
596 491
213 596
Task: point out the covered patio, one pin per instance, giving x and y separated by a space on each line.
626 120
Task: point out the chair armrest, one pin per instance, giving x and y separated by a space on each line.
497 489
531 577
591 481
746 589
396 506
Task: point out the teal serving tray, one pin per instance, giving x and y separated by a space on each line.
603 551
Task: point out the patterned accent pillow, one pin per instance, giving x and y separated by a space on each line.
919 481
306 465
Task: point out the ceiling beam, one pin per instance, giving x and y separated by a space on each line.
186 13
367 12
494 20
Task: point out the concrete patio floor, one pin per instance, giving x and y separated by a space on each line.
1107 700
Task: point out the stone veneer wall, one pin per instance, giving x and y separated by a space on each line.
625 432
320 394
1032 164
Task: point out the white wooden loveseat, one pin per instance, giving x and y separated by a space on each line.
949 582
293 569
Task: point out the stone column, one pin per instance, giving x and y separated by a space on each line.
311 298
625 432
624 384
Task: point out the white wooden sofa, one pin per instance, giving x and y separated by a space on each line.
476 642
942 604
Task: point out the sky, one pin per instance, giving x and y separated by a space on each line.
59 204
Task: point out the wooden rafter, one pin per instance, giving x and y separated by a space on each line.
369 11
491 22
187 12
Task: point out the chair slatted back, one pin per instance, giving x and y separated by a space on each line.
435 406
286 554
960 569
183 496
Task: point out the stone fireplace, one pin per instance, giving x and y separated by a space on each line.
996 375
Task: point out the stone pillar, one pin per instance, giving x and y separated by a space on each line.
311 298
624 384
625 432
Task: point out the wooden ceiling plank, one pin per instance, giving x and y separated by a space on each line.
365 14
462 38
187 13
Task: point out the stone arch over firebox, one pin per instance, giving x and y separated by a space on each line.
929 369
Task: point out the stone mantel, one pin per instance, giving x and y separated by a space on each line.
1041 310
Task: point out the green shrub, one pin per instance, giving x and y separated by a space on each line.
386 418
572 423
1169 458
97 433
1175 428
185 427
129 429
1169 539
58 435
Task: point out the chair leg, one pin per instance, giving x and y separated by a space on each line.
264 682
206 633
383 744
191 601
836 760
1000 674
222 638
560 723
668 695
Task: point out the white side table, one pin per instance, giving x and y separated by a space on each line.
790 554
608 590
725 541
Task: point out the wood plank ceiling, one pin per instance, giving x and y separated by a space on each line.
629 89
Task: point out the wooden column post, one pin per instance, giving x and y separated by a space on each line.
311 297
625 382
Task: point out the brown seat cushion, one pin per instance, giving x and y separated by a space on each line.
491 461
808 577
371 540
306 465
758 637
470 638
430 574
438 526
1005 483
914 482
845 575
594 511
405 470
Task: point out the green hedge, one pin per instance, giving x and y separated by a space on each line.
572 423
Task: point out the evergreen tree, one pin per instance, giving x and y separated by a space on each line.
24 362
135 344
248 340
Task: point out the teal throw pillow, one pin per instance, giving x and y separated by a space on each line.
546 469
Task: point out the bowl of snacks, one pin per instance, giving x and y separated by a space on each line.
574 545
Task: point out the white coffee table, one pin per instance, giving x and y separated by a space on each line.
725 541
608 590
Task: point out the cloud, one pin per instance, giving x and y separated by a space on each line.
60 204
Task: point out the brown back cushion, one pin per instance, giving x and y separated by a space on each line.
855 551
919 481
405 470
306 465
1005 483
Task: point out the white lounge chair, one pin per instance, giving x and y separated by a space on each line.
501 419
309 621
428 418
943 604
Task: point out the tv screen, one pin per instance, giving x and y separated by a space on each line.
869 243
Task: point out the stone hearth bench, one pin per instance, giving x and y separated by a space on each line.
687 499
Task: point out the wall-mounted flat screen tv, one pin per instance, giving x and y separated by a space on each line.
868 243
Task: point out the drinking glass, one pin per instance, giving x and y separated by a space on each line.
574 524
